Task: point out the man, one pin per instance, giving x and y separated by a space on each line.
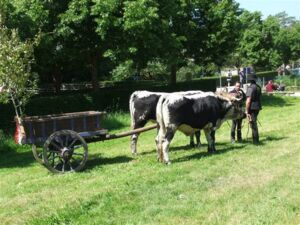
253 105
237 124
229 76
242 77
270 87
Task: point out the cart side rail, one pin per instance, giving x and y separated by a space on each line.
36 129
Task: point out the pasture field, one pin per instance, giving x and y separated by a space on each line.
240 184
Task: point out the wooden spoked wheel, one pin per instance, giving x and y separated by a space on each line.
65 151
37 153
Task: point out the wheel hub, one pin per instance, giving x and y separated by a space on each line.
66 154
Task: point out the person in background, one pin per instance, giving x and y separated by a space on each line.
236 126
253 105
270 87
242 77
229 76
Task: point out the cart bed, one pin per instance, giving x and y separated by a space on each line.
36 129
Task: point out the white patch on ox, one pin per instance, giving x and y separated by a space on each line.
199 95
143 116
132 109
175 97
144 94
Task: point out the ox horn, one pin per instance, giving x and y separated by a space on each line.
238 99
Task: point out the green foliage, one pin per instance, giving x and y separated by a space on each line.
266 44
288 42
16 59
288 81
155 70
91 40
123 71
187 73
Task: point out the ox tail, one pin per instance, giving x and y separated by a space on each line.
132 108
159 113
161 127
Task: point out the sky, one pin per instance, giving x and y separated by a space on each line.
272 7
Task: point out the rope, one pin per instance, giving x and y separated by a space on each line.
248 130
258 122
228 123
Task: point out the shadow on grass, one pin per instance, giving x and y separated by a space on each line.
222 147
272 100
176 148
14 156
98 161
198 155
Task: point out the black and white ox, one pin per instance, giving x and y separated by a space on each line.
142 106
190 113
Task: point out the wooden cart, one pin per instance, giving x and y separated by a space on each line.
59 141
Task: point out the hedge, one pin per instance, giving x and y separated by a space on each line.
112 98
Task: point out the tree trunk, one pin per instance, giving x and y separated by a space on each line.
94 73
173 74
57 79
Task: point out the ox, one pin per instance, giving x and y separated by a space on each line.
189 113
142 106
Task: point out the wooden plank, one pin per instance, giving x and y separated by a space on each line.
63 116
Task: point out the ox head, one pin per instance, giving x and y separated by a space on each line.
232 106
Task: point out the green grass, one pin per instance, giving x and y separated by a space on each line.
241 184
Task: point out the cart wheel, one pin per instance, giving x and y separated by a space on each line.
65 151
37 154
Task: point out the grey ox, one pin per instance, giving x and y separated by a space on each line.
189 113
142 106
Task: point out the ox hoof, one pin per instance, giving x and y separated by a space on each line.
168 163
192 145
160 160
211 151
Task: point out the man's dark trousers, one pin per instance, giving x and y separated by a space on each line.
236 124
253 124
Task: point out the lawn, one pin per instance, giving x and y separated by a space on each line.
240 184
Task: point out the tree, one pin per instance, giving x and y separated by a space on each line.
172 32
288 43
129 31
16 77
217 33
77 27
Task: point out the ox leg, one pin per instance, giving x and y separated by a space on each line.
198 143
134 139
197 135
213 136
158 142
166 143
192 143
210 137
